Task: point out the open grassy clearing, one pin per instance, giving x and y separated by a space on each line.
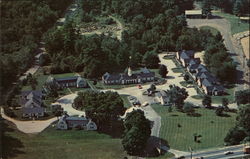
236 25
55 144
212 128
211 29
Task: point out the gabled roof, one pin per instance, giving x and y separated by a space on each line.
194 61
33 110
67 79
193 67
206 83
186 54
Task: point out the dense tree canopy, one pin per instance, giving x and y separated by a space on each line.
177 96
22 25
103 108
137 132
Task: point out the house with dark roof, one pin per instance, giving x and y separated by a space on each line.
69 122
74 81
31 102
185 56
163 98
200 73
129 78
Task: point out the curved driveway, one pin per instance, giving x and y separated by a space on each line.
29 127
66 103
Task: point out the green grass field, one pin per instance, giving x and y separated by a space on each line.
211 29
212 128
218 99
55 144
236 25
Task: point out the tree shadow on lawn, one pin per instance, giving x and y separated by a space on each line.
116 131
155 147
10 146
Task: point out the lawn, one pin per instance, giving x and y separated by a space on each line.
212 128
236 25
218 99
211 29
55 144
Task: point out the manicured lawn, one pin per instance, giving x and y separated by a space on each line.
212 128
70 144
236 27
211 29
218 99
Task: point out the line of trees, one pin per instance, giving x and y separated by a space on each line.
236 7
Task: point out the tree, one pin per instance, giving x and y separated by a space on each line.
151 60
103 108
241 131
234 136
163 71
137 132
237 8
219 111
186 77
225 103
206 7
189 108
206 101
248 63
243 118
242 96
177 96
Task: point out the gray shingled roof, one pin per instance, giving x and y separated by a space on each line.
33 110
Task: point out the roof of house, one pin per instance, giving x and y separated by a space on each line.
33 110
186 54
206 83
123 76
244 18
193 66
67 79
193 12
29 97
194 61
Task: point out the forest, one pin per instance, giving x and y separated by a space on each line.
153 26
236 7
150 31
22 25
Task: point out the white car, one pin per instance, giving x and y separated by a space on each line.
228 152
144 104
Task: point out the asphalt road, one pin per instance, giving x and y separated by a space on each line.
218 153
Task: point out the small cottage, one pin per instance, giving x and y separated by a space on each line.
69 122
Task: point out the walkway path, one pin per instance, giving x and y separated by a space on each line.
28 127
120 27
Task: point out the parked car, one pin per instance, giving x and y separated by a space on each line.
131 98
145 104
228 152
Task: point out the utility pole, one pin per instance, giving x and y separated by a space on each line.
191 152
